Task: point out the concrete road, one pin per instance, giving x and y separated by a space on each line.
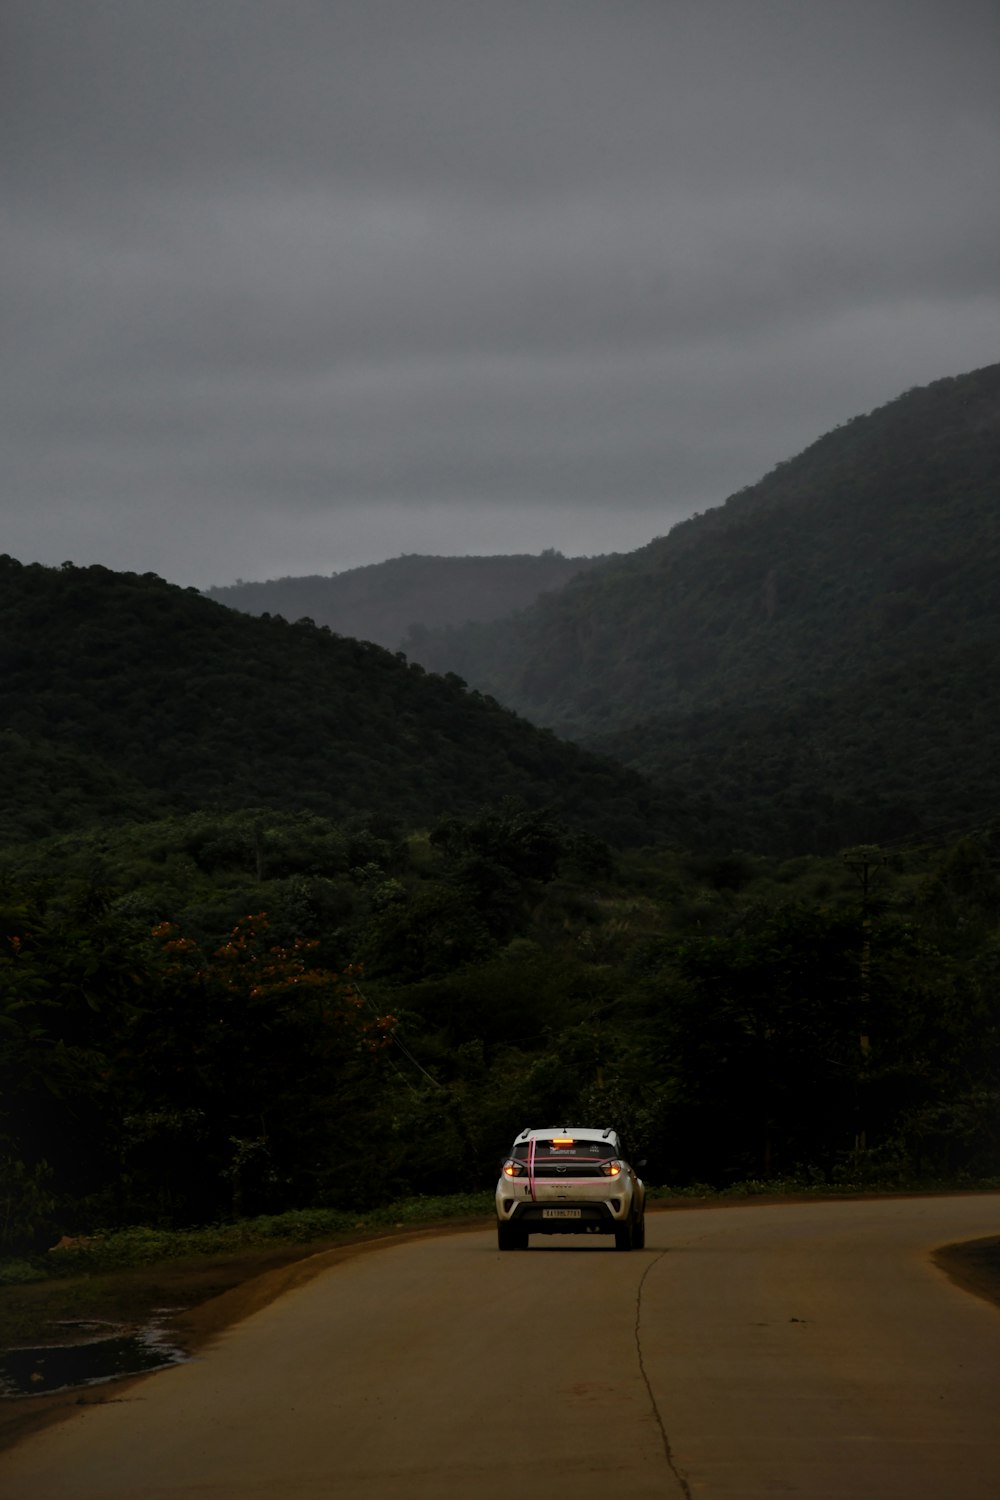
747 1352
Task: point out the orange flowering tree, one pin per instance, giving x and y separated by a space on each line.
253 1060
255 972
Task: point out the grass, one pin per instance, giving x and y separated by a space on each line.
121 1275
138 1245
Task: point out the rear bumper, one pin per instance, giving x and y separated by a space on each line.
588 1218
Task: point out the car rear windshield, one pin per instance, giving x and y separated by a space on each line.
574 1150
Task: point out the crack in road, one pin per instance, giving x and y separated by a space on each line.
668 1452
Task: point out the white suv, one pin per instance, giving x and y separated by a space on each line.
569 1179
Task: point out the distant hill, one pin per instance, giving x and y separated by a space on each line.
125 697
391 601
817 655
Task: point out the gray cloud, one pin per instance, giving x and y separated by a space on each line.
295 286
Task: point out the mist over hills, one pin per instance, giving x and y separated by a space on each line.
811 664
390 601
126 697
816 654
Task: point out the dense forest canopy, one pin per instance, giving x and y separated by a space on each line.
124 696
195 1012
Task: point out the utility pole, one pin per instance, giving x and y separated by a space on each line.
862 861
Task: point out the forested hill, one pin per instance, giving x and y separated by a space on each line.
125 697
387 601
817 653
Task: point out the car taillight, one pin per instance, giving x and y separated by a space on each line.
611 1168
513 1168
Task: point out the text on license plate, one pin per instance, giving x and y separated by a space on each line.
560 1213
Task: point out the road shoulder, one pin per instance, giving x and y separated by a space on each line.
974 1266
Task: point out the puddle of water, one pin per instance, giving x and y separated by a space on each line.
60 1367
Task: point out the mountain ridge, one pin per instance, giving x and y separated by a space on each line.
847 566
140 698
390 601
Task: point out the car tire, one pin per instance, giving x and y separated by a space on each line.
624 1238
510 1237
639 1233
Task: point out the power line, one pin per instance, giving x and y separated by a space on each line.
937 835
393 1037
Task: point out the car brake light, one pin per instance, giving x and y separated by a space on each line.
611 1168
563 1140
512 1168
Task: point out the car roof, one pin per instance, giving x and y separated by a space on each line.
578 1133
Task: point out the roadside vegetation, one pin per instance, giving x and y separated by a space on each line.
226 1019
141 1245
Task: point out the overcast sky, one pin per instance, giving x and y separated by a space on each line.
296 285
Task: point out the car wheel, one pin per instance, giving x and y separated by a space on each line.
639 1233
510 1237
623 1237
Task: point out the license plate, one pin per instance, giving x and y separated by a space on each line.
560 1213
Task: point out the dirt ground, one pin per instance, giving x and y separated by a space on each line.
215 1292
